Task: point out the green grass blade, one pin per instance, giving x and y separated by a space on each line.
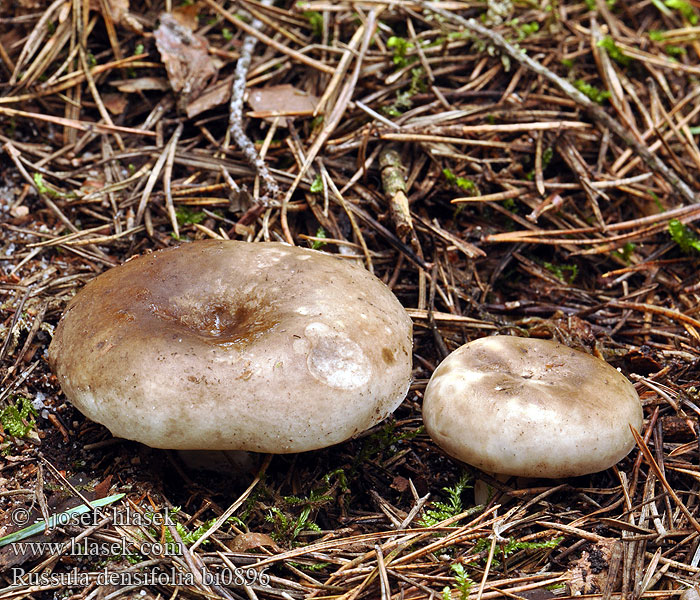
39 526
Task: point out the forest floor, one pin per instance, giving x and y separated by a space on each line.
508 167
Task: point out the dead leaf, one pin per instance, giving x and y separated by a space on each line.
186 15
281 100
141 84
102 488
31 4
118 13
118 9
690 594
186 59
400 484
13 555
213 96
115 103
90 186
248 541
643 361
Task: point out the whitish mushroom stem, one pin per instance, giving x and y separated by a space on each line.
221 461
483 492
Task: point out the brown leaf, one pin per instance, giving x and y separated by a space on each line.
102 488
19 211
285 99
118 9
186 59
115 103
14 554
186 15
642 361
247 541
31 4
214 95
141 84
400 484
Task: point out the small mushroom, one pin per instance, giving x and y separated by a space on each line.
223 345
531 407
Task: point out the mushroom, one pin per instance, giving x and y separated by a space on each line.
224 345
531 407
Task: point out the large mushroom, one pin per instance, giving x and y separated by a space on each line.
224 345
531 407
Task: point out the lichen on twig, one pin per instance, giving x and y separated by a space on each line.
235 122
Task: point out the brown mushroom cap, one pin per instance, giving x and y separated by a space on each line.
226 345
530 407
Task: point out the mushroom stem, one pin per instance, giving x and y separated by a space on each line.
483 492
221 461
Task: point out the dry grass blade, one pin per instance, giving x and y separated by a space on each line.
644 449
249 30
72 123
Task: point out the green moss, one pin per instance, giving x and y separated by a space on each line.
462 183
315 20
188 537
17 419
383 440
320 233
595 94
42 188
591 5
674 51
547 156
625 252
685 8
403 98
400 47
188 216
684 237
286 526
317 185
510 546
463 581
525 29
565 273
319 566
609 45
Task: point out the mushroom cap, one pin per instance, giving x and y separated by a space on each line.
531 407
225 345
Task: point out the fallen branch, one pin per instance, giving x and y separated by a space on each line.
235 121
